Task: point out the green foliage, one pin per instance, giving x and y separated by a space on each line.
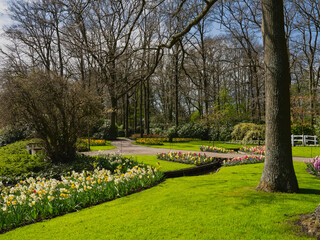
156 131
247 132
197 130
82 145
317 126
172 132
302 128
102 131
15 160
195 116
11 134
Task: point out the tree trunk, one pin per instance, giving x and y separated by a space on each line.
176 85
141 104
278 172
113 118
127 116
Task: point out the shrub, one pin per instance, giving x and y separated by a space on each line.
247 132
301 129
157 131
138 135
59 110
172 132
12 134
15 160
102 131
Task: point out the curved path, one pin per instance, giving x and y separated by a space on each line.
126 147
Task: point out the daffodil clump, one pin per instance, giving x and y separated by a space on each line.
96 142
150 141
188 158
244 160
258 150
215 149
38 198
179 140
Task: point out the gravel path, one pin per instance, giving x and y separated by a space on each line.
125 147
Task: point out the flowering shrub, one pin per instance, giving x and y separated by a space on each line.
244 160
38 198
188 158
215 149
314 165
150 141
253 150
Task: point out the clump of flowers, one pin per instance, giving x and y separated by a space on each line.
215 149
37 198
258 150
150 141
188 158
96 142
244 160
314 165
179 140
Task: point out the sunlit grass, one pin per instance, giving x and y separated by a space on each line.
224 205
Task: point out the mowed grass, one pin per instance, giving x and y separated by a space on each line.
193 145
107 147
298 151
309 152
164 165
224 205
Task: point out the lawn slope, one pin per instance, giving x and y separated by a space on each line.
217 206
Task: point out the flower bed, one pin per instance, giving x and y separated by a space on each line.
150 141
188 158
314 165
244 160
36 199
253 150
215 149
179 140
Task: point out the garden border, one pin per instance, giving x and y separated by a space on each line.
197 170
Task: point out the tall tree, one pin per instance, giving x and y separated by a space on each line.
278 172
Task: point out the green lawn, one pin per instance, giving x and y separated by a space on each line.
309 152
194 146
224 205
107 147
165 165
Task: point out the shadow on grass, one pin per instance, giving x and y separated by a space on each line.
310 191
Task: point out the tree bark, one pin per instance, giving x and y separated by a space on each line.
278 172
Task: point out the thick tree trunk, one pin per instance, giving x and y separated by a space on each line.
278 172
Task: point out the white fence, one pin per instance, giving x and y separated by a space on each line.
304 139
